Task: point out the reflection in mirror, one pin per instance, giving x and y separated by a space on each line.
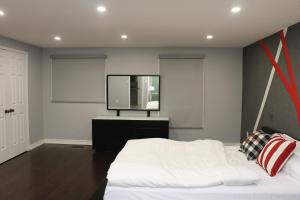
133 92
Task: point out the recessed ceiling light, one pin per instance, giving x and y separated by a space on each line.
209 37
2 13
124 37
235 9
57 38
101 9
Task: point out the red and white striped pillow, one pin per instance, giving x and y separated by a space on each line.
275 154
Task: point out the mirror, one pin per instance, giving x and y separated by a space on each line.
133 92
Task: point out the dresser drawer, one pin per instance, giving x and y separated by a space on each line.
113 134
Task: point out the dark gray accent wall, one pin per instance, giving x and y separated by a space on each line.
279 112
34 86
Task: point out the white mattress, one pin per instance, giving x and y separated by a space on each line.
281 187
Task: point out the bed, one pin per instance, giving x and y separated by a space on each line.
280 187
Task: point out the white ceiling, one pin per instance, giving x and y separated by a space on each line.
148 23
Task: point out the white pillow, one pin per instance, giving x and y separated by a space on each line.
292 167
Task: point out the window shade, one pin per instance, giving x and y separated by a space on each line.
182 85
78 79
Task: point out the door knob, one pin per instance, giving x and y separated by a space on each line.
6 111
11 110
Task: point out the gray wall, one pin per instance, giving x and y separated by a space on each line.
223 92
279 112
34 86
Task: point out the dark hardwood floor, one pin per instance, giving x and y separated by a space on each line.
54 172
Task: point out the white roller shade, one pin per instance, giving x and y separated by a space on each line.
78 80
182 90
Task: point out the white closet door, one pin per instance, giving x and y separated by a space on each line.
16 104
5 152
13 126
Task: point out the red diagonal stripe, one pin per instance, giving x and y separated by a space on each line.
276 66
289 67
291 88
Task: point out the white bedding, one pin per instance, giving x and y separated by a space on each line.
281 187
165 163
152 105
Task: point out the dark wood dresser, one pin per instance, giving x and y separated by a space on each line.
112 132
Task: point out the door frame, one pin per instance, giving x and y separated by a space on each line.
27 137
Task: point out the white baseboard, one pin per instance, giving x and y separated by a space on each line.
232 144
58 141
63 141
36 144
